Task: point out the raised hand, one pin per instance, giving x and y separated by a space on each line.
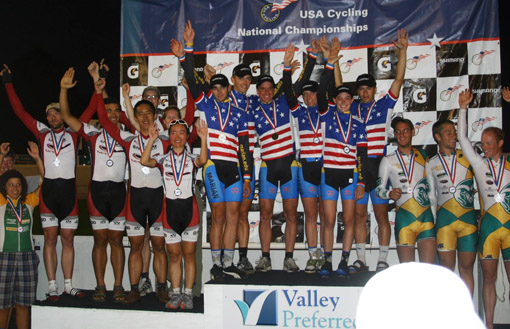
189 33
67 80
402 40
33 150
325 46
209 71
201 126
177 48
99 85
93 69
289 55
334 55
5 147
316 46
6 74
126 90
295 65
505 91
103 69
465 97
154 132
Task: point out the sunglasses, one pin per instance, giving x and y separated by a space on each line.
178 122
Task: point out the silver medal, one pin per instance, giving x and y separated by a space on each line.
222 138
146 170
177 192
347 150
452 189
109 162
56 162
316 140
20 229
498 198
409 190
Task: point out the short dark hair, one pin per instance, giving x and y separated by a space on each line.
172 108
111 100
397 120
13 173
437 127
146 102
498 133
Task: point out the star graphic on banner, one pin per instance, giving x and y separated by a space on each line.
434 42
213 118
301 48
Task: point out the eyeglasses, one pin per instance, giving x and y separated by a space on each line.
178 122
151 97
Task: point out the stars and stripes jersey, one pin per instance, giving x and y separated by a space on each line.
450 178
134 144
408 174
344 136
10 239
242 101
178 171
58 147
108 158
492 175
375 116
310 132
272 123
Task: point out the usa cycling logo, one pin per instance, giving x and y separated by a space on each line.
478 124
158 70
345 67
271 12
413 62
221 66
259 307
478 58
420 124
447 94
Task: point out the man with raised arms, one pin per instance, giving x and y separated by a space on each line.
58 199
107 192
404 170
375 115
492 174
451 197
228 172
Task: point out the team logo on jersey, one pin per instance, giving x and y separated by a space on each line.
478 124
447 94
345 67
421 193
420 124
158 70
413 62
463 193
478 58
271 11
505 192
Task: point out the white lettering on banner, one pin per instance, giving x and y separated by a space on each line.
452 60
242 32
485 90
331 13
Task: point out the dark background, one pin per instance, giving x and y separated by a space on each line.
41 39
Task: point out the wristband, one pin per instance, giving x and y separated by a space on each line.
287 68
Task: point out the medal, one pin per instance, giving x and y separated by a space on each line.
315 128
18 212
408 172
498 197
368 112
347 150
57 146
273 123
316 140
109 162
178 173
146 170
110 147
345 137
451 173
20 229
222 137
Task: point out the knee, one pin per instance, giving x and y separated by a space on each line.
115 242
50 241
175 257
189 257
67 240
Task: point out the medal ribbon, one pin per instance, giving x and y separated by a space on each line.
499 178
57 145
110 146
452 173
407 172
178 174
349 128
273 125
368 112
18 213
236 103
316 127
223 124
141 143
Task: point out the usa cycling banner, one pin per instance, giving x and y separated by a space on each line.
453 45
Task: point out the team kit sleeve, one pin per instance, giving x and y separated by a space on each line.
474 158
90 110
18 108
110 128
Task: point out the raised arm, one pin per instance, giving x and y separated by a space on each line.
4 149
466 97
505 91
291 98
201 128
129 107
401 44
306 73
33 151
67 83
146 159
185 56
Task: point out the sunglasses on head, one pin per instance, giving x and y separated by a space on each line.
178 122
